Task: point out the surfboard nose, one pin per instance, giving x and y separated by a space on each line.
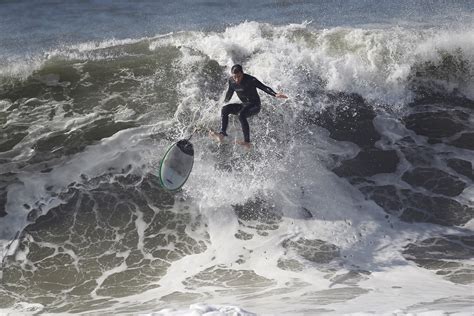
186 147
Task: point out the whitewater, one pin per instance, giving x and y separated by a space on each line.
357 197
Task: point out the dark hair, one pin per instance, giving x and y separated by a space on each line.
236 69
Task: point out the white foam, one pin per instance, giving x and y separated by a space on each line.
23 308
31 187
287 170
372 63
376 63
204 310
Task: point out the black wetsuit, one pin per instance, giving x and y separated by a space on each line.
247 93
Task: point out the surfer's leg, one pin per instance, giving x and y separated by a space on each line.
232 108
246 112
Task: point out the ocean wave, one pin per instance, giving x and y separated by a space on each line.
362 176
388 65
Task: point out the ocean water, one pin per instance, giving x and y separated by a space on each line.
357 197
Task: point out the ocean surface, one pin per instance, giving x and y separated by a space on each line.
357 197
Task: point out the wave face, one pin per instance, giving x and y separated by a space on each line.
359 186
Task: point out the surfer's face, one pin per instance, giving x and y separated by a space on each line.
238 77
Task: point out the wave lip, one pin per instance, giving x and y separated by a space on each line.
388 65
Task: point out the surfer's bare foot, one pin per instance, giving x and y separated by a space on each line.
217 136
244 144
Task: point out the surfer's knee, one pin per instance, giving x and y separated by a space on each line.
225 110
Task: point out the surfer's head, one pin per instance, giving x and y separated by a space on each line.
237 73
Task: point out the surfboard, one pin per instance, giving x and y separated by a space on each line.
176 165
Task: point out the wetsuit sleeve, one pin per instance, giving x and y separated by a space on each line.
229 94
264 88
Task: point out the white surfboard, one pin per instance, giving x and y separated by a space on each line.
176 165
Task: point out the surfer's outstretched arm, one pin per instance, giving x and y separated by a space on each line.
269 90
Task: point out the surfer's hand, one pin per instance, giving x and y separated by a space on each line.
281 96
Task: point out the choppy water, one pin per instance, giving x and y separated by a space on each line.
357 197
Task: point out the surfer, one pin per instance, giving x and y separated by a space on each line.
246 87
